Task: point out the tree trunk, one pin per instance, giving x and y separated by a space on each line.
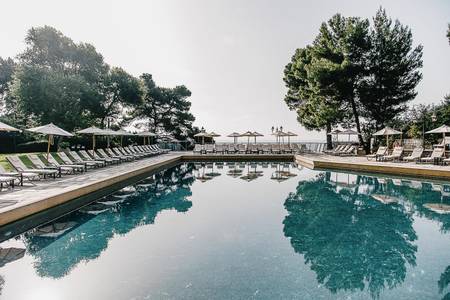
329 141
358 126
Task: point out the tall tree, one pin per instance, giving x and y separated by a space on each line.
120 92
165 110
314 112
340 48
393 71
7 67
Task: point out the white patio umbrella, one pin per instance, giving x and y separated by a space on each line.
350 132
387 131
50 130
248 134
122 133
289 134
202 135
335 132
94 131
213 134
257 134
7 128
441 129
280 135
235 136
146 135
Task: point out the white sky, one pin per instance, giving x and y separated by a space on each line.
230 54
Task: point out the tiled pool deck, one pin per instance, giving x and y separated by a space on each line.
30 199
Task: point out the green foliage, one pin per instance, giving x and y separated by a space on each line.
354 74
69 84
393 71
165 110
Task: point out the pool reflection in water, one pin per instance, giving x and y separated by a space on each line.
242 230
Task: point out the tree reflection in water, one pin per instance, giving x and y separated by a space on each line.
57 254
351 241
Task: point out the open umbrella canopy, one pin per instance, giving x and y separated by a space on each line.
213 134
145 133
441 129
352 132
234 135
335 131
387 131
7 128
92 130
202 134
247 134
50 129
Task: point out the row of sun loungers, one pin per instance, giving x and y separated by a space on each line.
247 149
343 150
70 163
397 154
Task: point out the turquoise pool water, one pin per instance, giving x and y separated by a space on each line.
245 231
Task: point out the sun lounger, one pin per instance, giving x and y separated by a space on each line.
124 151
102 153
380 152
95 155
241 148
38 163
350 151
395 155
7 180
220 148
336 149
209 148
17 163
79 158
437 153
53 162
133 151
252 148
415 155
111 153
74 161
276 148
20 175
156 147
286 148
231 148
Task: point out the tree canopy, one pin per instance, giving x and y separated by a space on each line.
354 74
58 80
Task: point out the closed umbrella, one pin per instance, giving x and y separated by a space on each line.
50 130
94 131
234 135
387 131
280 135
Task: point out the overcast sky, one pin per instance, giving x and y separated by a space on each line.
229 53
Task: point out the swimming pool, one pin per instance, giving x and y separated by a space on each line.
242 230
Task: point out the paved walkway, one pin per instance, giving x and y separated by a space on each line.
361 164
50 192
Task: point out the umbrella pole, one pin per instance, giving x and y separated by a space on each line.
121 140
48 145
93 142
